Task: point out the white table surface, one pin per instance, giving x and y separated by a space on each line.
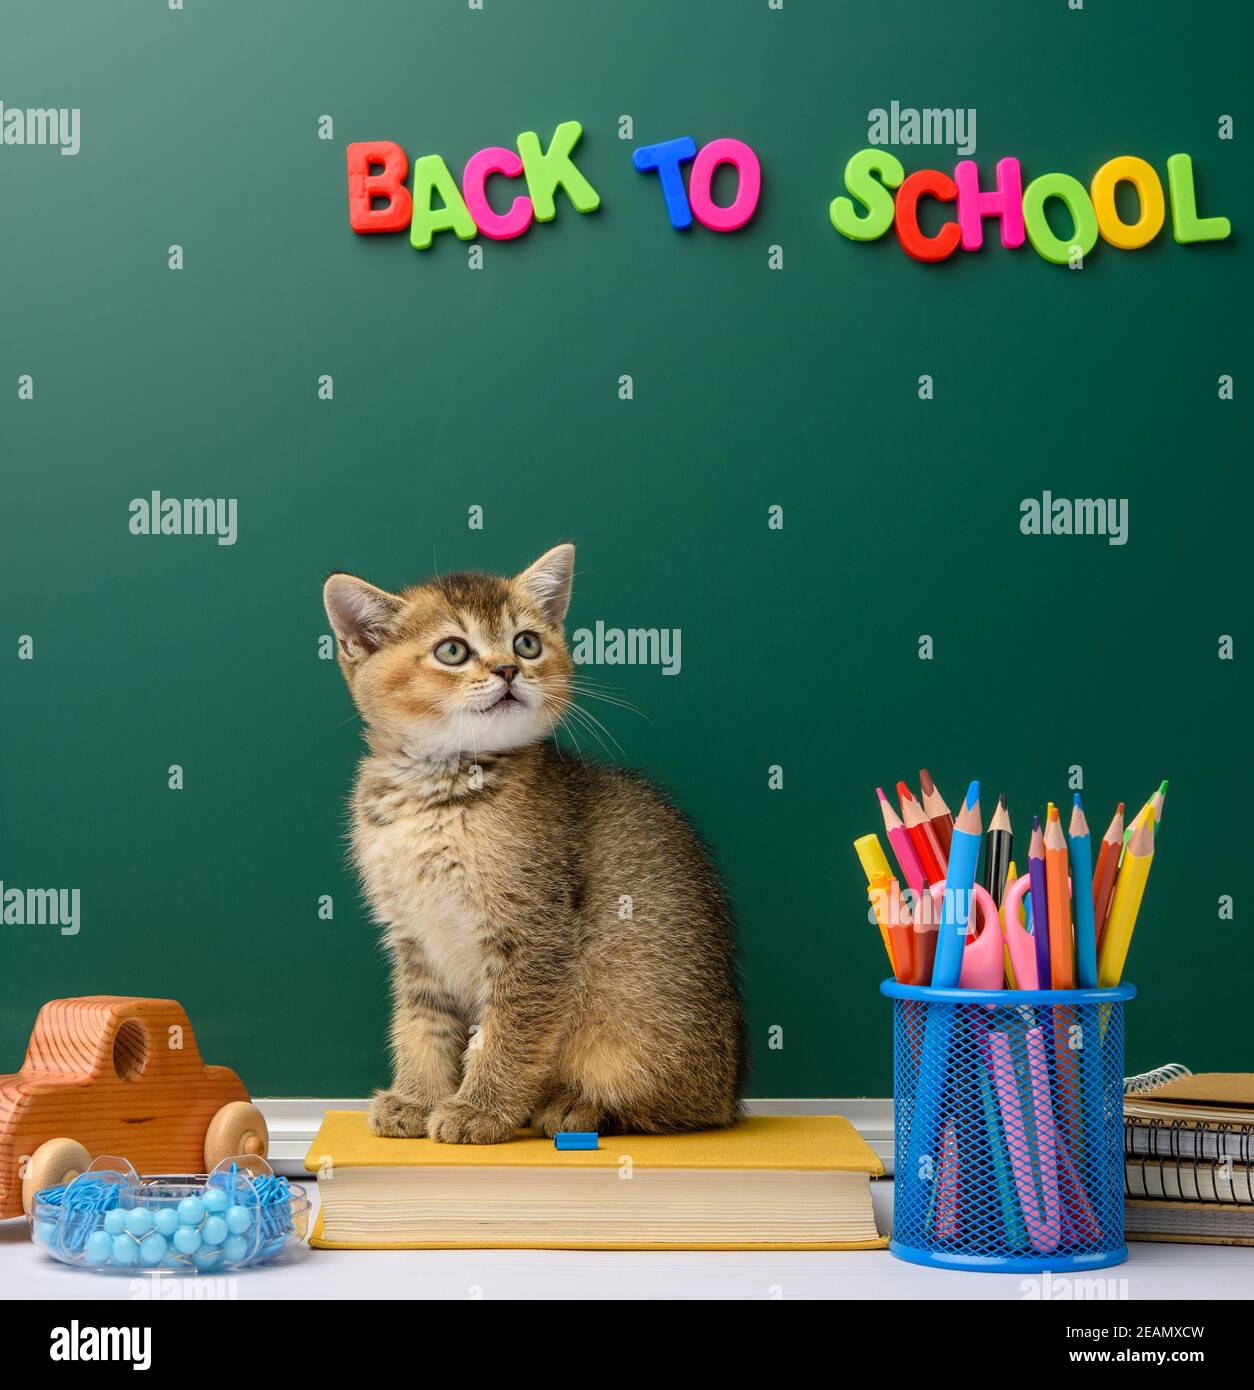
1151 1272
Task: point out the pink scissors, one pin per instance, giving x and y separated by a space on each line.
982 963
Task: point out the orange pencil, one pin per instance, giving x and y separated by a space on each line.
1061 955
1104 873
939 815
922 836
890 913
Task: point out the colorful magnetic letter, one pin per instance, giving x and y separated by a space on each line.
868 176
1070 192
431 176
1186 225
500 226
552 169
666 157
974 206
1127 169
364 187
701 180
929 183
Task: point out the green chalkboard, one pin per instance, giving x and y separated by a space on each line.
752 387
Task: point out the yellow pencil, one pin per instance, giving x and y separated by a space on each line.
1012 873
1129 889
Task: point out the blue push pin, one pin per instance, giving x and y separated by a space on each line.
576 1139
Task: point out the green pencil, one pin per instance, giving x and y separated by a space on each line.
1156 801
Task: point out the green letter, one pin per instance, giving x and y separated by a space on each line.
431 176
1071 192
1186 225
548 171
868 176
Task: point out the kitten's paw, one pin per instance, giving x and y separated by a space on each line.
564 1117
459 1122
395 1116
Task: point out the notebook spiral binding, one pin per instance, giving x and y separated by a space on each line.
1182 1141
1167 1171
1148 1081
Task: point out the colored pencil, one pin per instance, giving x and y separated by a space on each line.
1082 885
885 898
1104 875
1012 875
895 927
964 854
998 847
1040 903
1155 804
1061 966
922 836
1129 889
937 812
899 838
924 938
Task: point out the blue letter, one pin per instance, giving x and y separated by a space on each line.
666 159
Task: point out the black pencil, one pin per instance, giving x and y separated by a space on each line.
999 846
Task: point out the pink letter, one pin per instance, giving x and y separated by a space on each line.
499 226
974 206
700 181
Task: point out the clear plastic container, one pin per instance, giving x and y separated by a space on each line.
111 1220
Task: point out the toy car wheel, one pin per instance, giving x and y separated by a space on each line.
54 1162
238 1128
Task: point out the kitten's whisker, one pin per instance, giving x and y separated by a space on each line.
592 724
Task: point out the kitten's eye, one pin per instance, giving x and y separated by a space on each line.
527 644
452 652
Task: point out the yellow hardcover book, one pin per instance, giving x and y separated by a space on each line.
769 1183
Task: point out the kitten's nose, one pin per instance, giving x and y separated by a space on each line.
506 673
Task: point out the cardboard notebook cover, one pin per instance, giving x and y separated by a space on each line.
813 1143
1227 1090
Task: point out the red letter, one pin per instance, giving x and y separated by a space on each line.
929 183
364 186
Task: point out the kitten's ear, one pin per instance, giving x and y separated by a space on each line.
360 614
548 581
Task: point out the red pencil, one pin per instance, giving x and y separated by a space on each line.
938 814
922 836
1104 873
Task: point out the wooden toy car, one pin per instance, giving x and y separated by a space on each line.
123 1077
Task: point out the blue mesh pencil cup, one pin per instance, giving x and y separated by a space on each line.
1008 1109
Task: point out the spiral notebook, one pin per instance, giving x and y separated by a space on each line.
1189 1156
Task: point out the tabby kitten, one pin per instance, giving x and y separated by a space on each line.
562 950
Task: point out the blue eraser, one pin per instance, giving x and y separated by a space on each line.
576 1139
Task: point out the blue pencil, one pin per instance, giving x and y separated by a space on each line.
964 855
1082 894
934 1056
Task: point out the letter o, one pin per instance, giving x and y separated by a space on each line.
1128 169
700 181
1070 192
